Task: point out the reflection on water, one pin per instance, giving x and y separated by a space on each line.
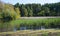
29 28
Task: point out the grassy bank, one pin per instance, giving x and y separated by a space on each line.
32 33
47 22
33 22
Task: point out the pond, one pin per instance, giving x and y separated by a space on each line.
29 28
32 28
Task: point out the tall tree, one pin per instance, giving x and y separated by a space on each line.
24 11
17 5
30 12
18 12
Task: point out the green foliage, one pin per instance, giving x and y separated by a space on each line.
30 12
6 16
7 12
17 5
48 23
42 13
18 13
52 9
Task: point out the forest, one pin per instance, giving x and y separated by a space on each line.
28 10
37 10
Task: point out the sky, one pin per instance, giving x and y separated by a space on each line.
30 1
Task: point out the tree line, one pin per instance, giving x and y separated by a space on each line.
33 10
9 11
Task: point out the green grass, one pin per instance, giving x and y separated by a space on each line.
38 22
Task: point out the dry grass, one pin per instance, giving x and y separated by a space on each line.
32 33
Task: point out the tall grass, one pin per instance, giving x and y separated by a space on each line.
47 22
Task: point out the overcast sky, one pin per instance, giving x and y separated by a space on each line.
30 1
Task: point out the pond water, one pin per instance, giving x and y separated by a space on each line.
32 28
29 28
